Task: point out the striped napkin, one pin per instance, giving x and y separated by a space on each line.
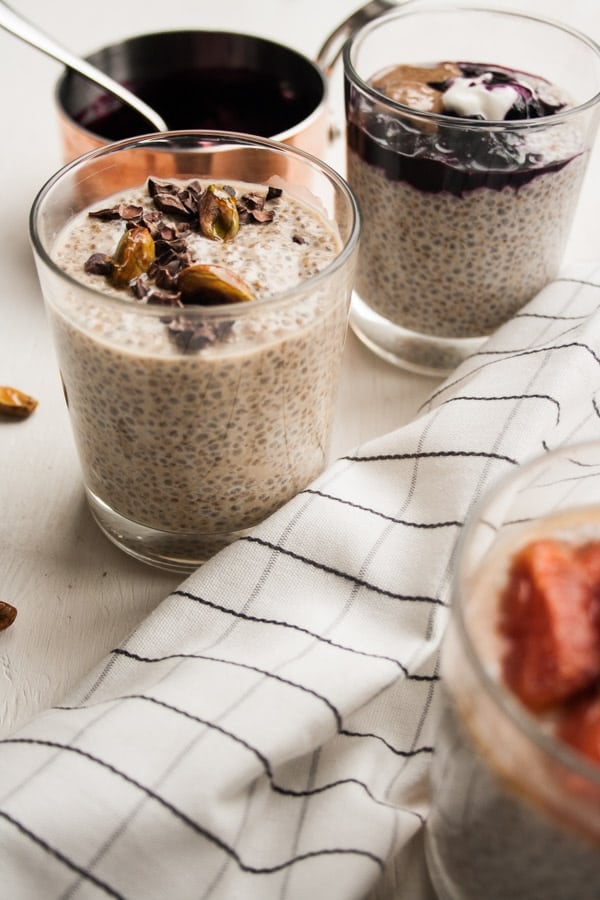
268 731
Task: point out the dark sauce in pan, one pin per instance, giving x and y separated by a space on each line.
217 98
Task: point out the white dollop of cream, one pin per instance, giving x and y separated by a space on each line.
473 97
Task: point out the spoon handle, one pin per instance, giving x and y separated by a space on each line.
14 23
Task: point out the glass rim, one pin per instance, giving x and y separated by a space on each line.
228 139
502 698
462 122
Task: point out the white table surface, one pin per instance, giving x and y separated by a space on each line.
77 596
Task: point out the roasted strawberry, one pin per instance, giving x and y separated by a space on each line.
549 619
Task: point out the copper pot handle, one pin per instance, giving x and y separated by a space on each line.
334 44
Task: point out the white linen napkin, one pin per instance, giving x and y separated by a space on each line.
267 732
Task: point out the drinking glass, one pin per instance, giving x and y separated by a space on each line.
194 424
515 811
465 219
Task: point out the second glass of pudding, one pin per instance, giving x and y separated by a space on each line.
516 767
198 287
468 135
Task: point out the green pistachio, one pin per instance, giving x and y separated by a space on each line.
209 285
218 214
134 255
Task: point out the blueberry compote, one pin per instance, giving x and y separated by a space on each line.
225 98
435 157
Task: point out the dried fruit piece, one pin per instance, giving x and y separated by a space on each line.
209 285
134 255
8 614
16 403
218 215
550 618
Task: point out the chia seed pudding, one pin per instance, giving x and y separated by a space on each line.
465 220
200 419
516 782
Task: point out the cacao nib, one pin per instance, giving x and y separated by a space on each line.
99 264
189 334
159 284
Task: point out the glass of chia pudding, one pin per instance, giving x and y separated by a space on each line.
468 134
197 286
516 768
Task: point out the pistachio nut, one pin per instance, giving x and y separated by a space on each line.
218 214
210 285
134 255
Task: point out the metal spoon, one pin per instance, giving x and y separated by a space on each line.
14 23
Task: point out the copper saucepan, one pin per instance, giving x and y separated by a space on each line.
208 79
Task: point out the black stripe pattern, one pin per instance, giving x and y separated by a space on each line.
267 732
